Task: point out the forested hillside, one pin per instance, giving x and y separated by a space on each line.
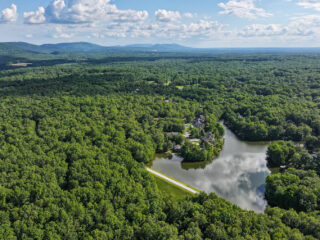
75 135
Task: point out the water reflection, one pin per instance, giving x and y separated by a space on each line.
238 174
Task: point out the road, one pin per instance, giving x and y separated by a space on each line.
172 181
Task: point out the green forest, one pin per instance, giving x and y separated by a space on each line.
76 133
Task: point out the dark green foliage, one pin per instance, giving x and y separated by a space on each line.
297 189
208 217
307 223
312 142
280 153
178 139
172 125
289 154
193 153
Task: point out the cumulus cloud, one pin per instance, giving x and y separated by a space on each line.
158 30
54 10
129 16
9 14
189 15
304 26
202 28
60 33
314 4
263 30
101 19
163 15
84 11
35 17
243 9
129 30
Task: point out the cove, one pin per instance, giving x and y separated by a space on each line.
238 174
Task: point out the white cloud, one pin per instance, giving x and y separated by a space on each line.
202 28
305 26
85 11
129 30
101 19
163 15
158 30
36 17
129 16
263 30
189 15
54 9
314 4
9 14
243 9
60 33
81 11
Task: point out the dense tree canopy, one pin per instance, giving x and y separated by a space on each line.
75 136
289 154
297 189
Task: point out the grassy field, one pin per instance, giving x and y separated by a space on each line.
170 189
274 170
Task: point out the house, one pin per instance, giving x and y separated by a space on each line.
198 123
177 148
173 133
209 137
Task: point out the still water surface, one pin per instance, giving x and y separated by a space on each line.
238 174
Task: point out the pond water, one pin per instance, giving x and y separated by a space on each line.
238 174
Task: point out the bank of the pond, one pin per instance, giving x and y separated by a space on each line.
238 174
173 181
171 190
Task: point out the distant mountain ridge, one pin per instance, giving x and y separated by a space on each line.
23 47
90 47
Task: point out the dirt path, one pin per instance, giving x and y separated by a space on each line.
172 181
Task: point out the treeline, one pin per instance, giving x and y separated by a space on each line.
296 189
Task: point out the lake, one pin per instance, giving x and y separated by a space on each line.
238 174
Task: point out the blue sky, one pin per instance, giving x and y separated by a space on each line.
201 23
